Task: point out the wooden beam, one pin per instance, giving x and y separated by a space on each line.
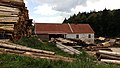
3 8
23 48
104 56
9 27
111 61
8 14
7 22
109 53
67 49
3 13
12 0
9 19
12 3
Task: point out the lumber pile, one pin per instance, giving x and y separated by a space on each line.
66 41
102 46
79 42
67 49
14 18
108 56
36 53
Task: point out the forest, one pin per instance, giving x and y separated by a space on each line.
105 23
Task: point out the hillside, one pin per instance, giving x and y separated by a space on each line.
105 23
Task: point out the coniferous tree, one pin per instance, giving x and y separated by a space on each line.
104 23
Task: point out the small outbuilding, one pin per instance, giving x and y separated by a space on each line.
47 31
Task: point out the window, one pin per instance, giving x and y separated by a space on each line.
89 36
77 36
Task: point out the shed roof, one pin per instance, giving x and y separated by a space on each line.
55 28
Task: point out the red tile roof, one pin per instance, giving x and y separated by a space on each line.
51 28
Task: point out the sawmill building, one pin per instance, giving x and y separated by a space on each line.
75 31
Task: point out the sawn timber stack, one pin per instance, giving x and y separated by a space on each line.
14 19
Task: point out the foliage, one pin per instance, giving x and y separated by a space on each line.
104 23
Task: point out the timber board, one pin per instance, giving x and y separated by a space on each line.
9 19
4 8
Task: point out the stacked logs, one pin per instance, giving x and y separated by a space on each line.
108 56
66 41
14 18
67 49
35 53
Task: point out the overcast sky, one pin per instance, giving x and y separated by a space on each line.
54 11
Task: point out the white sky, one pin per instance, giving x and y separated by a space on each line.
54 11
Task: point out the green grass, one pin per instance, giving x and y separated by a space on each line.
16 61
33 42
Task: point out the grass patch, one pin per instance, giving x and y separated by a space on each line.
33 42
15 61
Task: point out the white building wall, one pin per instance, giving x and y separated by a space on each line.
83 37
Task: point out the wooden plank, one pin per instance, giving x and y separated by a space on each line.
64 40
109 53
12 0
23 48
2 13
3 8
67 49
9 27
110 61
103 56
12 3
9 19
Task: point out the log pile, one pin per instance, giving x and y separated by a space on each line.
108 56
102 45
79 42
67 49
66 42
14 18
26 51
